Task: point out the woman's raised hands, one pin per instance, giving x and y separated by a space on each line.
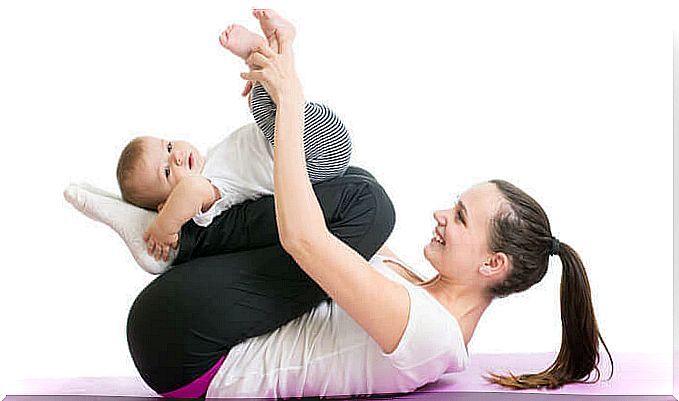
275 71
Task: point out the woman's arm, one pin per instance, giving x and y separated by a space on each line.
376 303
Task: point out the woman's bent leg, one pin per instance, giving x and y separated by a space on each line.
189 317
252 224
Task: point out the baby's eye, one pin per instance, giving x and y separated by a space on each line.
459 216
167 172
169 147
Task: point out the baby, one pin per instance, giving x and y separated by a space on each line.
174 178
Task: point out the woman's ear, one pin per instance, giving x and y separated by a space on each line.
160 206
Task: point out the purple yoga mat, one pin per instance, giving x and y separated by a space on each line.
634 374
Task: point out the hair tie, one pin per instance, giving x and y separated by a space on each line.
556 247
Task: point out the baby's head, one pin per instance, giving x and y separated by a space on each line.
149 168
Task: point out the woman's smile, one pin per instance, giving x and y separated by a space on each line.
438 238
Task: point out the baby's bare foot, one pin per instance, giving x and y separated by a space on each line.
239 41
271 22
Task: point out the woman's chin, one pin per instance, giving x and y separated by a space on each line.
427 251
432 252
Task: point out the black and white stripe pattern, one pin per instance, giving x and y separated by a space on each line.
327 144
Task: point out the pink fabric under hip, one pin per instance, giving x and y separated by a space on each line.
197 387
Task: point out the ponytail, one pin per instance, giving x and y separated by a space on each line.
522 231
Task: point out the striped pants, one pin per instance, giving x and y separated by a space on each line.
327 144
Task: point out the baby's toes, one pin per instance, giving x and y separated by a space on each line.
224 37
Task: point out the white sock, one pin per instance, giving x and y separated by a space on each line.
129 221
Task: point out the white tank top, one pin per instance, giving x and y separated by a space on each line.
326 353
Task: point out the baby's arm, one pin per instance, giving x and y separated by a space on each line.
189 197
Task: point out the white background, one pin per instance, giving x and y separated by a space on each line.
572 102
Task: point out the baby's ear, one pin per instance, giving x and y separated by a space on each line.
160 206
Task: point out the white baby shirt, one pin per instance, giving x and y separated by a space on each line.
326 353
241 167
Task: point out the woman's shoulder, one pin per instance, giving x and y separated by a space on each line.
427 319
402 269
432 343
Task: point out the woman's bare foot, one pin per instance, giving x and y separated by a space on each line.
271 22
239 41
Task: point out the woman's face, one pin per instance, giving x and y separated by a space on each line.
460 242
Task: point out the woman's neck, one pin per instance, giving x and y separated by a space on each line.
465 303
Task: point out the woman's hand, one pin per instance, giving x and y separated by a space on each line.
276 72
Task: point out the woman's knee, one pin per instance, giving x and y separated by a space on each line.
354 170
384 214
364 216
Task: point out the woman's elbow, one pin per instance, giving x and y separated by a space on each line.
290 244
297 243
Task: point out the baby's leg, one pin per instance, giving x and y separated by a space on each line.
327 143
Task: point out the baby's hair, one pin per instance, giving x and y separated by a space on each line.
128 163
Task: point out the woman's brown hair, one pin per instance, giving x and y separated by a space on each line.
521 230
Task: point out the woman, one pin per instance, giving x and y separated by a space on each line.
186 330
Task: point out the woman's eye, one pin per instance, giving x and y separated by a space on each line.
167 172
169 147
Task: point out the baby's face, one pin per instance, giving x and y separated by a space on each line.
165 163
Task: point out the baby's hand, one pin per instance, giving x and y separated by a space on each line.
247 89
159 241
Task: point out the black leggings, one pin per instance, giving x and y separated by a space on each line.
232 280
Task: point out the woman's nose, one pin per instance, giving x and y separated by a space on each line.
439 216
